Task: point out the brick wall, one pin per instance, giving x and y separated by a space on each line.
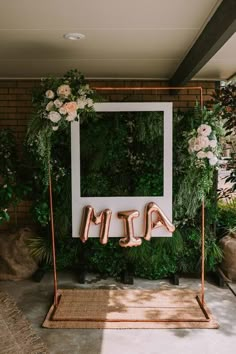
16 107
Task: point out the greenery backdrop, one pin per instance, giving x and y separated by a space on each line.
122 154
161 256
122 140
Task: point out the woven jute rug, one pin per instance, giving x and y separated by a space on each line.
99 308
16 334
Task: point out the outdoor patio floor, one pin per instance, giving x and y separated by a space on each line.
34 299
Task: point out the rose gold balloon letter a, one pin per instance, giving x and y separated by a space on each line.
161 220
89 215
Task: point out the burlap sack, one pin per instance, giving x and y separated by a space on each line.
15 260
228 265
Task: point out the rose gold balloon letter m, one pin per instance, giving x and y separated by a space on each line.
89 215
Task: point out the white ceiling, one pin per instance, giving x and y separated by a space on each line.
124 39
223 63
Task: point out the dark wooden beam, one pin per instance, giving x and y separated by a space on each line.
217 31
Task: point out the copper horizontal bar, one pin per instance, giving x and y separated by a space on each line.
146 88
128 88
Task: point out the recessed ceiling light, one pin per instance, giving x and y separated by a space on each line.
74 36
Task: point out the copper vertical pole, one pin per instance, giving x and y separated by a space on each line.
203 252
202 235
53 237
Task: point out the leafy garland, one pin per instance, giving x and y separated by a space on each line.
225 99
58 102
203 145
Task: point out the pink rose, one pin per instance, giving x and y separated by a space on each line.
70 107
204 129
201 142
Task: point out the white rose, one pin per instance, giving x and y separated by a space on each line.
201 155
197 147
201 142
49 94
81 105
64 91
55 128
213 161
213 143
54 116
209 155
62 110
204 130
81 102
71 116
89 102
49 106
58 103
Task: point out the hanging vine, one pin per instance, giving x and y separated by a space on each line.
57 103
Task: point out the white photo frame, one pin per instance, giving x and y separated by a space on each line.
117 204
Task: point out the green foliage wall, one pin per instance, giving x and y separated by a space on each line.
118 168
122 155
14 178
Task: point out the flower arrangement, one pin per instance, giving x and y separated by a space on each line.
204 146
65 99
57 102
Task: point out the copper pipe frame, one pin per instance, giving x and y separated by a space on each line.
201 301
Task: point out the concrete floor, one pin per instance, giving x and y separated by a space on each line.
34 299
